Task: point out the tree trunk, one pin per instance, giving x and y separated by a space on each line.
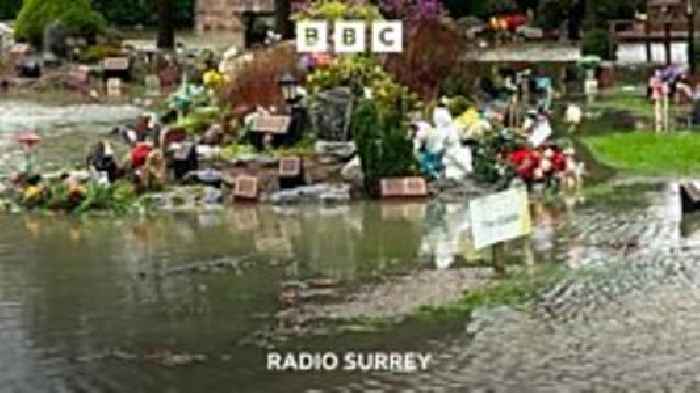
166 29
283 13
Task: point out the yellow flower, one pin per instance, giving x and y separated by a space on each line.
32 194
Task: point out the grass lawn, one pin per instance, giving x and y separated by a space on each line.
635 102
647 153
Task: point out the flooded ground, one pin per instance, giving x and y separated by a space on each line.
67 131
192 302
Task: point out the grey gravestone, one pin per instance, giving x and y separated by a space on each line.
55 40
330 114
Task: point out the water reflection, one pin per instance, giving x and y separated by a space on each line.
197 282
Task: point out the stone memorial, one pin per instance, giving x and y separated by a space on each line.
54 42
246 187
289 167
404 187
117 67
114 87
330 114
271 124
336 149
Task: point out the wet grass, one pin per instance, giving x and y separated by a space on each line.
619 196
517 289
647 153
634 101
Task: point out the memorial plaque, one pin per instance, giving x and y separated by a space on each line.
415 186
392 187
20 50
407 187
290 167
273 124
114 87
330 114
246 187
116 64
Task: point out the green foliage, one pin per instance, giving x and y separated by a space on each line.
199 119
305 147
237 150
500 6
77 16
458 105
360 72
337 9
9 8
142 12
597 43
96 53
551 13
488 166
383 145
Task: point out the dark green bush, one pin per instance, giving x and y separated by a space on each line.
383 145
597 43
77 16
9 8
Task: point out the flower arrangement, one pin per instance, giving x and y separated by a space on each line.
336 9
361 73
213 80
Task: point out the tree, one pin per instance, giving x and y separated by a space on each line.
77 16
9 8
141 12
283 13
166 27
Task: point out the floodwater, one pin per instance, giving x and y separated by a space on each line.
192 302
67 131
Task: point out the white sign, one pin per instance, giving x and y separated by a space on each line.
500 217
114 87
387 36
349 36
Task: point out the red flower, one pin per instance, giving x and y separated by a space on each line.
525 162
139 155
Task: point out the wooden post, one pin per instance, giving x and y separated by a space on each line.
647 31
667 42
666 108
658 115
691 37
499 263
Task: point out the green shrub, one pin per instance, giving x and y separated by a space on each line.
9 8
597 43
76 15
383 145
96 53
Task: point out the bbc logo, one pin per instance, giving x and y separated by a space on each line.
349 36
